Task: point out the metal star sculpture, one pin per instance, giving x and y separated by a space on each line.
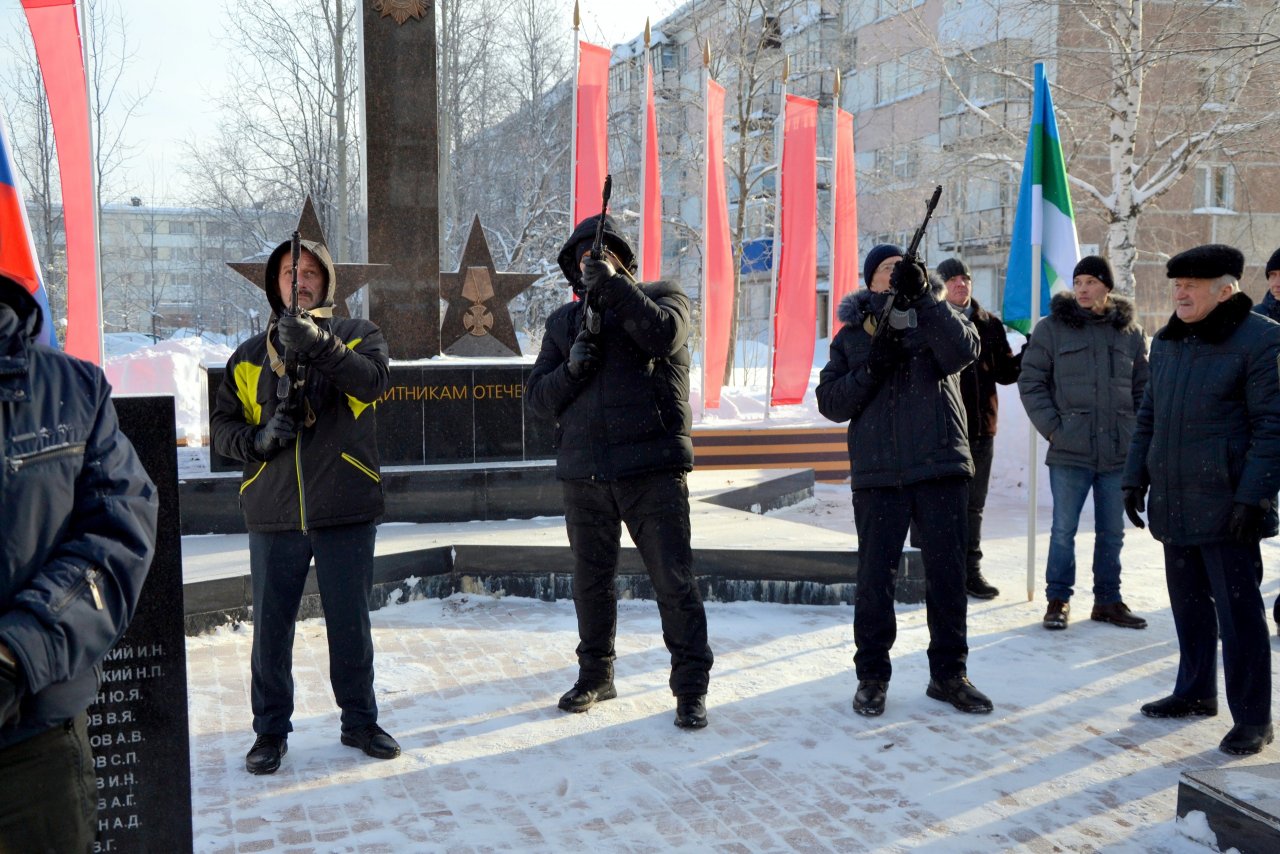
351 277
477 321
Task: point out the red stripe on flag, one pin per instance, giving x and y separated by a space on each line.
717 286
591 146
844 246
794 332
651 246
56 34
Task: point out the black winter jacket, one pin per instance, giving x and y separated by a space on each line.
1208 432
79 521
1269 307
631 415
330 475
996 364
910 426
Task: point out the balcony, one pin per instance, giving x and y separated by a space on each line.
965 126
976 231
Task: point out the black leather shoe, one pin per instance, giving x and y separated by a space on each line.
869 698
959 692
691 711
1247 739
978 587
1117 614
579 698
264 757
1180 707
373 740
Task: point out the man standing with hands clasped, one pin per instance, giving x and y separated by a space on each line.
1207 448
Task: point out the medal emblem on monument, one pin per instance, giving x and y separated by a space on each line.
400 10
478 288
477 318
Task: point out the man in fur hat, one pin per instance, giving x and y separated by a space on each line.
1082 378
1207 446
899 389
613 373
311 490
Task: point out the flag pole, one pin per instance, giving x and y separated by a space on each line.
779 137
573 124
835 189
706 202
645 274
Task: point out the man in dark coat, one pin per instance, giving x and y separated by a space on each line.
613 373
311 489
1083 374
1207 446
76 542
1270 305
898 387
996 364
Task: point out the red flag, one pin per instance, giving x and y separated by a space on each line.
56 34
794 332
591 130
17 250
651 204
717 264
844 244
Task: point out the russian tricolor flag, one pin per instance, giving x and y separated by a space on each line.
17 250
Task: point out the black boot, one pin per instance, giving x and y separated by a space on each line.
583 696
691 711
264 757
1247 739
959 692
978 587
373 740
869 698
1180 707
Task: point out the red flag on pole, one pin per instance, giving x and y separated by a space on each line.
17 250
591 130
795 317
56 34
717 264
651 203
844 243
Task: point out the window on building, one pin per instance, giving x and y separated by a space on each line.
182 227
1215 187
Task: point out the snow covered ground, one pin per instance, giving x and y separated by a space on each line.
468 685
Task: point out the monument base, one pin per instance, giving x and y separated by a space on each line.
1241 804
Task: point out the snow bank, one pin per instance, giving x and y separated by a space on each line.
176 367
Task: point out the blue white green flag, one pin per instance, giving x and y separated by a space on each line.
1045 218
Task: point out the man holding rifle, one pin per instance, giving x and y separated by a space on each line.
893 375
613 373
297 407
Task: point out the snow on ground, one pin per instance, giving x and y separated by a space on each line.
469 684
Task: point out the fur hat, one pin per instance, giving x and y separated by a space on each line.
1206 262
952 267
875 258
1273 263
1098 267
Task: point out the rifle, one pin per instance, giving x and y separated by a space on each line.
909 258
591 317
289 386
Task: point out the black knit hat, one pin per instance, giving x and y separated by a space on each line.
1206 262
1273 264
952 267
1098 267
875 258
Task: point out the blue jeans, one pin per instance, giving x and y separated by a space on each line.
1070 485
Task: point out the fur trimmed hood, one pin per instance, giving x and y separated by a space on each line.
854 308
1119 313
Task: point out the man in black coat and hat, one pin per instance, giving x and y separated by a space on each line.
613 372
1207 447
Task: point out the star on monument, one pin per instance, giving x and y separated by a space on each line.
400 10
351 277
477 321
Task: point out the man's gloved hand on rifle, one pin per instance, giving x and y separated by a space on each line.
584 356
601 279
302 335
909 280
276 435
885 354
11 686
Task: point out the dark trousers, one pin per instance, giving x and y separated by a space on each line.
1214 591
983 449
278 563
882 516
48 792
655 508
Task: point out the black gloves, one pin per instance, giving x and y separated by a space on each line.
595 273
584 356
1135 502
301 335
10 690
908 281
886 352
276 435
1246 523
602 282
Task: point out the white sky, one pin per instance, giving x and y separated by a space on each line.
178 46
